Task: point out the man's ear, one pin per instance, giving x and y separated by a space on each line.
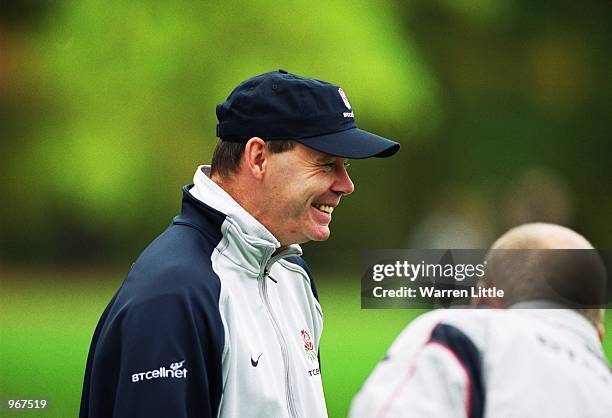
488 302
255 157
601 332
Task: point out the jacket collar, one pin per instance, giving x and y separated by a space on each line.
564 317
248 242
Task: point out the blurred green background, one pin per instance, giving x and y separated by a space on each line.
106 108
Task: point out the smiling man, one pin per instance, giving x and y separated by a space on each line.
299 189
219 316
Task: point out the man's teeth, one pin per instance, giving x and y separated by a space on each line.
325 208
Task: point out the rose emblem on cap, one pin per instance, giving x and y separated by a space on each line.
344 98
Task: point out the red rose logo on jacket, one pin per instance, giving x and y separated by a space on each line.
308 345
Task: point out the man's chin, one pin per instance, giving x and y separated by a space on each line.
311 231
320 234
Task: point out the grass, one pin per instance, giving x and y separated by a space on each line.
47 319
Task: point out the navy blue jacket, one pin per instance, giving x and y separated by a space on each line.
176 338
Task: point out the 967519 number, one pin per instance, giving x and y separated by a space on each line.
27 403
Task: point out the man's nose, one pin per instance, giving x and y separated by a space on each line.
343 183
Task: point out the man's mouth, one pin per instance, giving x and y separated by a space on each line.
323 208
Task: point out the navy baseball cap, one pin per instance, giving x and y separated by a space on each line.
280 105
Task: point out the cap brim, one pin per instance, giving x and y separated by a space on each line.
352 143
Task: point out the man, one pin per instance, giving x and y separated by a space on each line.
520 362
219 315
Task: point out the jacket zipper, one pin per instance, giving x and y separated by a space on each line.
263 291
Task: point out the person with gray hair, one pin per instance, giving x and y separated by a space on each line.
541 357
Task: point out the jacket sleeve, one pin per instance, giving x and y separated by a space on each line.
439 378
160 357
436 386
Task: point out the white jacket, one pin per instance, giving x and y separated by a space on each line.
514 363
270 315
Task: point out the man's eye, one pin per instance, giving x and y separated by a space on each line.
333 165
